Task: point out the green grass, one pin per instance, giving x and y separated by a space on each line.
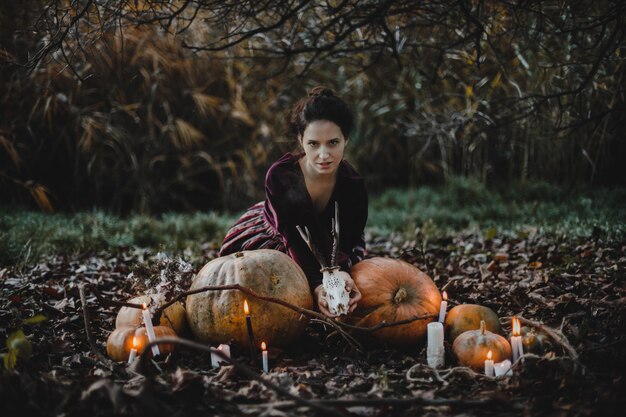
28 237
464 204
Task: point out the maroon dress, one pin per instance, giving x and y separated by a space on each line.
271 224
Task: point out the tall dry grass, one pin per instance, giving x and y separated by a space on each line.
139 124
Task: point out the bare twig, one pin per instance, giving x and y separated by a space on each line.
303 311
145 354
383 324
335 233
112 303
555 335
450 281
87 320
402 402
306 236
338 325
348 337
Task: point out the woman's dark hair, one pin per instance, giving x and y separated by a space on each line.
321 104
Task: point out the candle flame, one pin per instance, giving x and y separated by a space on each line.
445 296
144 306
489 354
134 342
516 327
245 307
263 345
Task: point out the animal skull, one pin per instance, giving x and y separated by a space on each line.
337 297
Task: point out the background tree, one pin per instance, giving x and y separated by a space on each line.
153 105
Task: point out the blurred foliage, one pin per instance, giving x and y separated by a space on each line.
147 128
154 106
425 213
18 346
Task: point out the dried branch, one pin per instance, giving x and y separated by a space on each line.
144 369
303 311
307 238
112 303
555 335
335 234
404 402
383 324
87 320
57 40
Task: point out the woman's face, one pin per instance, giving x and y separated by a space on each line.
323 145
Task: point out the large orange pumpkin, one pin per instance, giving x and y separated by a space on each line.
394 290
218 316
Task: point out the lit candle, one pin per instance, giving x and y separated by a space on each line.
502 368
246 310
443 308
516 340
265 365
435 350
216 359
489 371
133 351
147 321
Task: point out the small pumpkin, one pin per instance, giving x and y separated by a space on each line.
535 341
173 316
466 317
120 341
471 347
218 316
394 290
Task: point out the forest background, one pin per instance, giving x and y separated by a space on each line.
153 106
133 133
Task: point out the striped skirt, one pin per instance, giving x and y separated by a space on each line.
251 232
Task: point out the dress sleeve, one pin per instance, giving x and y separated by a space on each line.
355 219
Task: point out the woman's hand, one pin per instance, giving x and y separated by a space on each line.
322 304
355 295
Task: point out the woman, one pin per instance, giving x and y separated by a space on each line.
301 190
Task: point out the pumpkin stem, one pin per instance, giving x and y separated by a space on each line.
400 296
482 327
238 254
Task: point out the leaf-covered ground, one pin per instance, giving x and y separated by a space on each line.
574 286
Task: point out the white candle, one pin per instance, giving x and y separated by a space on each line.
147 321
435 350
133 351
435 335
489 370
264 355
215 359
502 368
225 350
516 341
443 307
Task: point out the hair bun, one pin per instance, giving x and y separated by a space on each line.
321 92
